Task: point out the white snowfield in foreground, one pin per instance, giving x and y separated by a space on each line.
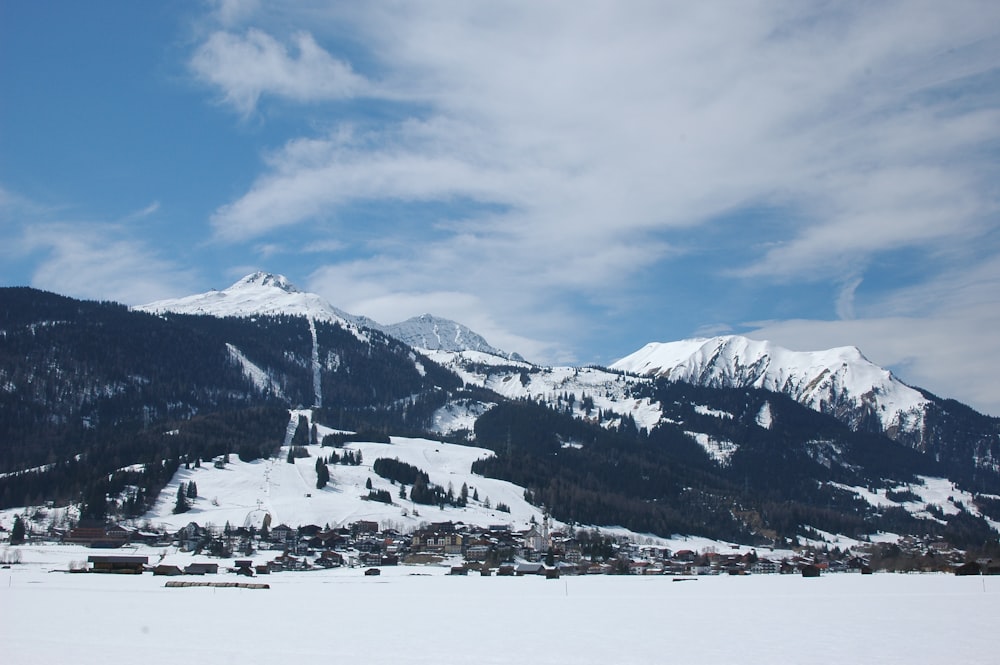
412 614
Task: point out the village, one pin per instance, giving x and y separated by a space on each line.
493 550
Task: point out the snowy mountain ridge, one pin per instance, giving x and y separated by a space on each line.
257 294
264 294
838 381
432 333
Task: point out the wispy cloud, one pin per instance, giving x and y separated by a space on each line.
246 66
940 335
588 136
100 261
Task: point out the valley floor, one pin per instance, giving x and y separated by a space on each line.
412 614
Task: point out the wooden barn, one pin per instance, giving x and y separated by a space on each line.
128 565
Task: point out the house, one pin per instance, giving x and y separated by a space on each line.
970 568
165 569
97 534
326 540
443 542
764 567
283 534
638 567
529 568
128 565
191 536
363 527
572 550
201 569
243 567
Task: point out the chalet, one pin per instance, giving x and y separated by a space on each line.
572 550
309 530
116 533
97 534
809 570
370 558
329 559
283 534
168 570
128 565
243 567
970 568
638 567
191 536
201 569
529 568
326 540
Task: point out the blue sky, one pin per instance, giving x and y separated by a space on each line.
570 179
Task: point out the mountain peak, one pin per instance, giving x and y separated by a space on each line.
831 380
434 333
266 279
260 293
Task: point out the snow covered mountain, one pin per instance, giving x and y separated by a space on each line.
432 333
263 294
839 381
260 293
666 441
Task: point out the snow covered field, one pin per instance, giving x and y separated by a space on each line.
421 615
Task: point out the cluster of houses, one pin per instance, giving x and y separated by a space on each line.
497 548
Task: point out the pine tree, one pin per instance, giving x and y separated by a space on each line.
17 531
192 490
181 505
322 474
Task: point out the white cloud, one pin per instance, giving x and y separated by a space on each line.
941 336
592 133
249 65
99 261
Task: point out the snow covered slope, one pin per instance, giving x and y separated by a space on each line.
241 493
431 333
258 294
838 381
587 392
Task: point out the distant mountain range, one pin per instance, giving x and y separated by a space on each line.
724 437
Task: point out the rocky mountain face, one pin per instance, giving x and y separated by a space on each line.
431 333
727 437
840 382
